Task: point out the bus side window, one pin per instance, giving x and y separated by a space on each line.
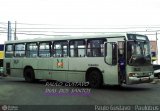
32 50
20 50
77 48
44 49
95 47
60 49
9 51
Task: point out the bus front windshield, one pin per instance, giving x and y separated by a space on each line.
138 53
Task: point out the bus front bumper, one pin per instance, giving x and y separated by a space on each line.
137 80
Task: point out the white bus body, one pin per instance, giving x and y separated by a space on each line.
81 58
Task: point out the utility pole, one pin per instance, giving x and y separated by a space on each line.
15 31
9 31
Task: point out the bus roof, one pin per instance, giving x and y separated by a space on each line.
67 37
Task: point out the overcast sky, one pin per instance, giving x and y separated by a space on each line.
81 12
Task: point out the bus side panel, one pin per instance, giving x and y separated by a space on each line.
80 66
16 67
109 73
43 71
77 69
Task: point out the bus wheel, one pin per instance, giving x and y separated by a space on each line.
29 75
95 79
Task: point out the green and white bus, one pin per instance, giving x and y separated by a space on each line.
91 58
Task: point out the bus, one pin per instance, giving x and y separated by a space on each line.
91 58
1 58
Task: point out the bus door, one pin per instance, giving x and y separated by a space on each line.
111 62
121 61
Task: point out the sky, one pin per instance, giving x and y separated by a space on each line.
81 13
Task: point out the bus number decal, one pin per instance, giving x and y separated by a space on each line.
95 65
15 61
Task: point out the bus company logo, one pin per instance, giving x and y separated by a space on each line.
60 63
4 107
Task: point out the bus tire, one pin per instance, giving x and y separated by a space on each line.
95 79
29 75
